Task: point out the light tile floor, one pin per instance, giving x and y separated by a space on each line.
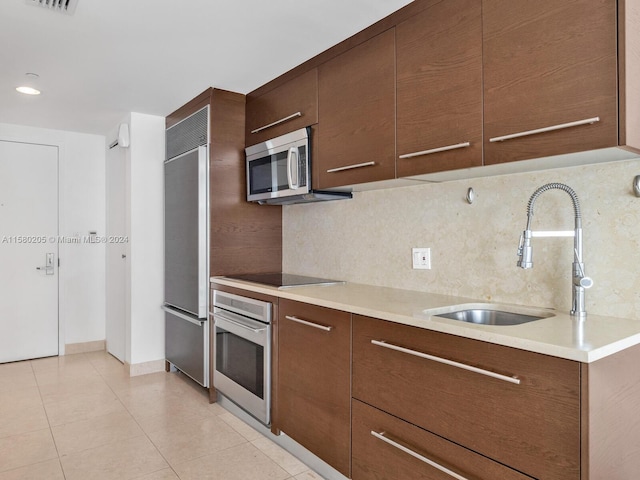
81 417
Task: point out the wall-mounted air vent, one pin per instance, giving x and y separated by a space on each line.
62 6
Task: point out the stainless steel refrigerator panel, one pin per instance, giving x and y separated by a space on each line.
186 207
187 344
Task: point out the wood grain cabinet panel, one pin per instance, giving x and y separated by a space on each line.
546 64
356 102
314 380
439 88
404 452
290 106
533 426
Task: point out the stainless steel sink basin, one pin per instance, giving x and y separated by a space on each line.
486 316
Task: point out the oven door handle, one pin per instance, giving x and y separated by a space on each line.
237 323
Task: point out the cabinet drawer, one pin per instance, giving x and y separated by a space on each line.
387 448
314 395
286 108
532 426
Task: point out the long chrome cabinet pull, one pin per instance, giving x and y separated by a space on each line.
351 167
586 121
309 324
277 122
422 458
451 363
436 150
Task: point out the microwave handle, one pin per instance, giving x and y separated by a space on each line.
292 168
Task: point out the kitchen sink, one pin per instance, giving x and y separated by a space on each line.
489 316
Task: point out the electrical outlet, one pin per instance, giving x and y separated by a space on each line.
421 258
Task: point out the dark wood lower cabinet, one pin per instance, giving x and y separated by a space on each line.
532 425
387 448
314 382
381 401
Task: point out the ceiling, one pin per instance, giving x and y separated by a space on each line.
151 56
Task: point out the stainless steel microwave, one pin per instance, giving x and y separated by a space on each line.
279 171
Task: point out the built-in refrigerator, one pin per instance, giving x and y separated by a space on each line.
186 256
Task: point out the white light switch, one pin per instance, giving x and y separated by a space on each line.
421 258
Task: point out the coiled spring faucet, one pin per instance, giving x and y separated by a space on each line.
525 249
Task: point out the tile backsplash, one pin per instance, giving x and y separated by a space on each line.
473 247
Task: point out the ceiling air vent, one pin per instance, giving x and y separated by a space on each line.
62 6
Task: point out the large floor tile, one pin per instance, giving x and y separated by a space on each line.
165 397
74 373
309 475
185 438
95 432
47 470
82 417
243 462
105 363
10 382
159 382
164 474
239 426
14 368
123 460
23 397
82 407
284 459
64 389
16 419
25 449
59 362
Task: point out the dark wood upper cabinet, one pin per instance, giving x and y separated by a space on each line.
439 88
462 83
287 107
356 101
549 64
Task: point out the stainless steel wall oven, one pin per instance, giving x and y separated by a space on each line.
242 358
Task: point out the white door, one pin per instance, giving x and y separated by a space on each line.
117 285
28 251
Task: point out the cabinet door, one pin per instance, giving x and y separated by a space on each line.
530 422
356 102
548 64
314 382
387 448
439 88
290 106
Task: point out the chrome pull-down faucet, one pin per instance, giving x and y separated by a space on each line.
525 249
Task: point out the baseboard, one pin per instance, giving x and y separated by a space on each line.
84 347
145 367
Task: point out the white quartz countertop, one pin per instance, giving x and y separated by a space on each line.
559 335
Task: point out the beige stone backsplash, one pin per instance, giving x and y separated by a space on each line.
473 247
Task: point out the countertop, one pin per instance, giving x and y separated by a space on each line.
559 335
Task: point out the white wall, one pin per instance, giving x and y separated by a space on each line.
147 237
144 275
82 209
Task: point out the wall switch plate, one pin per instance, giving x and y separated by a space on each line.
421 258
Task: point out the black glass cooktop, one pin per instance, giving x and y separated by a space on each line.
283 280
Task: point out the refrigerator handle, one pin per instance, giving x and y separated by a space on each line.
183 316
203 230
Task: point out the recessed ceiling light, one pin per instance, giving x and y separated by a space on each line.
28 90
